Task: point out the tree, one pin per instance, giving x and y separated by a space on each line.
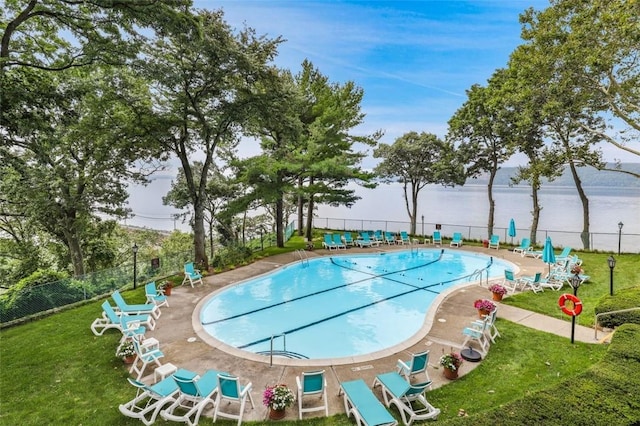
205 90
592 47
79 167
416 160
481 132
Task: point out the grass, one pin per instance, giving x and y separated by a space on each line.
55 371
626 275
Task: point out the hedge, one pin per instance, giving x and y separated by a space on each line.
607 394
623 299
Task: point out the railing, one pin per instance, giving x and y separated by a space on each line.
628 242
304 259
284 349
595 325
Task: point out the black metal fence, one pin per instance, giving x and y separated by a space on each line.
628 242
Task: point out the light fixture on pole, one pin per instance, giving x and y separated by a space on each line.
612 264
620 225
135 264
574 282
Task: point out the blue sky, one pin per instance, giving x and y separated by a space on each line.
414 59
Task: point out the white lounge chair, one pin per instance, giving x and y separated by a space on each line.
191 274
457 240
121 322
196 393
145 356
230 390
494 241
437 238
337 241
399 392
328 242
524 247
363 405
154 295
417 364
135 309
312 384
534 282
149 400
478 332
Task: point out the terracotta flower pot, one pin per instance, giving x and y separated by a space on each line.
276 414
129 359
450 374
167 290
482 313
497 297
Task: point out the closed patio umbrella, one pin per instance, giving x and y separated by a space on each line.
512 229
548 255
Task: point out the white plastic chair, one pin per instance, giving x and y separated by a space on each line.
312 384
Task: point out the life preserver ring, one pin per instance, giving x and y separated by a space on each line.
577 305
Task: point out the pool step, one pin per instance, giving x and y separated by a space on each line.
284 354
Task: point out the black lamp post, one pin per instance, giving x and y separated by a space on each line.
612 264
135 263
574 282
620 225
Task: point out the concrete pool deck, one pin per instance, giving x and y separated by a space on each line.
186 346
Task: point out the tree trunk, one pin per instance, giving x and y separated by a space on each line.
414 208
75 252
535 213
279 219
492 203
310 207
584 235
300 207
199 236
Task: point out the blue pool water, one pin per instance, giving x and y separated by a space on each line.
340 306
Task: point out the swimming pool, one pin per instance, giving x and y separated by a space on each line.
340 306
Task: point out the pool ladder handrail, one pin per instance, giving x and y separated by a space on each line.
304 259
284 340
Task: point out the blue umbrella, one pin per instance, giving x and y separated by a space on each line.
548 255
512 229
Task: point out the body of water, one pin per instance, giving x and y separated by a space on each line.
463 209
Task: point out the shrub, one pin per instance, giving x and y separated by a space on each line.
623 299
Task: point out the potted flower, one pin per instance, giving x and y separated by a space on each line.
451 363
576 270
165 288
277 398
498 291
484 307
127 352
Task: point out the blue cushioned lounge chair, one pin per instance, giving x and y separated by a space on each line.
362 404
398 391
196 393
457 240
136 309
191 274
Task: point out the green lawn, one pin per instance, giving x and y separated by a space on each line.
55 371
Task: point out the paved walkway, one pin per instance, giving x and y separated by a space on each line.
187 346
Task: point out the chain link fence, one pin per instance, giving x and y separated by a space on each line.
19 303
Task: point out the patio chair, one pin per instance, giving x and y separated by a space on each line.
509 281
149 400
404 238
437 238
477 332
154 295
417 364
494 241
534 282
524 247
563 256
230 390
365 241
337 241
196 393
313 384
490 329
399 392
377 236
328 242
348 239
191 274
457 240
137 309
111 319
389 238
362 404
145 355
